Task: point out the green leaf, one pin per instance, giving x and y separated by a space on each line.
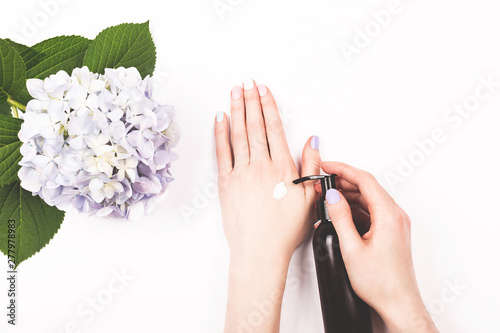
55 54
20 48
13 71
23 96
9 149
5 109
125 45
36 223
9 165
9 128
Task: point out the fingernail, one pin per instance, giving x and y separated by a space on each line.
220 116
236 92
315 142
262 90
332 196
248 84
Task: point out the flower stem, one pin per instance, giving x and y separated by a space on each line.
16 113
16 104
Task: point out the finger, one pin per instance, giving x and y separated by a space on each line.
356 198
311 162
276 137
256 129
341 184
222 145
353 197
345 185
239 137
317 187
361 218
375 196
341 216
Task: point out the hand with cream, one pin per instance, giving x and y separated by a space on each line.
379 263
265 216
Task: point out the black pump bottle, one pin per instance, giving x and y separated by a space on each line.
343 311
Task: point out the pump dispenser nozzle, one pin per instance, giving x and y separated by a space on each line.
327 182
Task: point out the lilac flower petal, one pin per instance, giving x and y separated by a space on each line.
142 185
146 149
161 158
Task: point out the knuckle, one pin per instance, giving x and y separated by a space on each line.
343 216
406 218
368 176
274 125
313 160
396 215
255 126
340 213
237 107
256 147
267 103
239 136
252 96
220 129
223 180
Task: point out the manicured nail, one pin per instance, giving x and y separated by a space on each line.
262 90
220 116
332 196
315 142
248 84
236 92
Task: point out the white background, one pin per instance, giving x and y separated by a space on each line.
368 112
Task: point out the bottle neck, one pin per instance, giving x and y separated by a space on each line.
322 210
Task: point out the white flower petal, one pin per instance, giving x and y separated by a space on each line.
136 211
109 191
104 211
96 85
97 196
31 183
35 88
96 184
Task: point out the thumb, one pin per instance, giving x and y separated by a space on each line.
341 216
311 161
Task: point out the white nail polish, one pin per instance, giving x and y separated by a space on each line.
220 116
248 84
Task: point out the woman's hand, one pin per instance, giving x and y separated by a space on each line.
255 223
262 232
379 263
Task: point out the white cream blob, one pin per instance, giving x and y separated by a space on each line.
280 191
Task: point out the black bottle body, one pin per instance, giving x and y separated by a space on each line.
343 311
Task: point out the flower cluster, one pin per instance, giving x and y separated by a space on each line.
101 143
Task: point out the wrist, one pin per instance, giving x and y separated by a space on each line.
261 275
408 315
255 292
254 265
255 256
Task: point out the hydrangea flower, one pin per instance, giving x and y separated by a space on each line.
101 143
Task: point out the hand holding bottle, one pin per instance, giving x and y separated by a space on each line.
379 263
